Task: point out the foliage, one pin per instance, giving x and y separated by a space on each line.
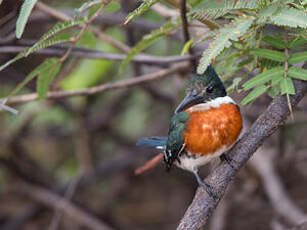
240 39
148 39
223 40
45 72
246 33
140 10
249 44
51 38
25 12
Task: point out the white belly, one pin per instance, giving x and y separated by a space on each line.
192 163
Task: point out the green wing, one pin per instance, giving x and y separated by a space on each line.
175 137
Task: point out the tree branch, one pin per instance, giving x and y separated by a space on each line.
203 205
63 17
53 200
81 52
104 87
263 163
185 28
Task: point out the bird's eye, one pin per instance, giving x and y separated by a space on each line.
209 89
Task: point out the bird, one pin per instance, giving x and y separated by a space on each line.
204 126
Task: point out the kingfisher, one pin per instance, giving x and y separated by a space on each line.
205 125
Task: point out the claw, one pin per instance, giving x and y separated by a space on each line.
206 186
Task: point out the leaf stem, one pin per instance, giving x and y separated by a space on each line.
82 31
286 66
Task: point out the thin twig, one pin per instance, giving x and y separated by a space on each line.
285 76
185 28
184 20
164 11
55 201
58 51
68 196
104 87
149 164
63 17
262 162
85 25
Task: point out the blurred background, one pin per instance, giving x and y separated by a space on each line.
69 163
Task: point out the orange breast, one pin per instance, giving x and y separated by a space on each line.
207 131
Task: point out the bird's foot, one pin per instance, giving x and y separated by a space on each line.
206 186
226 158
208 189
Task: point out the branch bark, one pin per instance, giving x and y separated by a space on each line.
104 87
81 52
54 201
203 205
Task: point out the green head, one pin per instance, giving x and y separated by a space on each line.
202 88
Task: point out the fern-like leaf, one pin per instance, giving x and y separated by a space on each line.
26 52
57 28
52 37
286 86
223 39
213 9
140 10
25 12
269 54
275 42
270 75
150 38
289 17
257 92
298 73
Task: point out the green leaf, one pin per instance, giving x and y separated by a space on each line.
140 10
111 7
56 29
286 86
296 42
297 73
264 77
205 37
96 5
25 12
26 52
50 38
235 83
289 17
88 5
270 8
254 94
275 42
232 32
269 54
186 47
209 9
49 69
29 77
273 91
149 39
298 57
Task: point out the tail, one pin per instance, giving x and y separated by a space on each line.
153 142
